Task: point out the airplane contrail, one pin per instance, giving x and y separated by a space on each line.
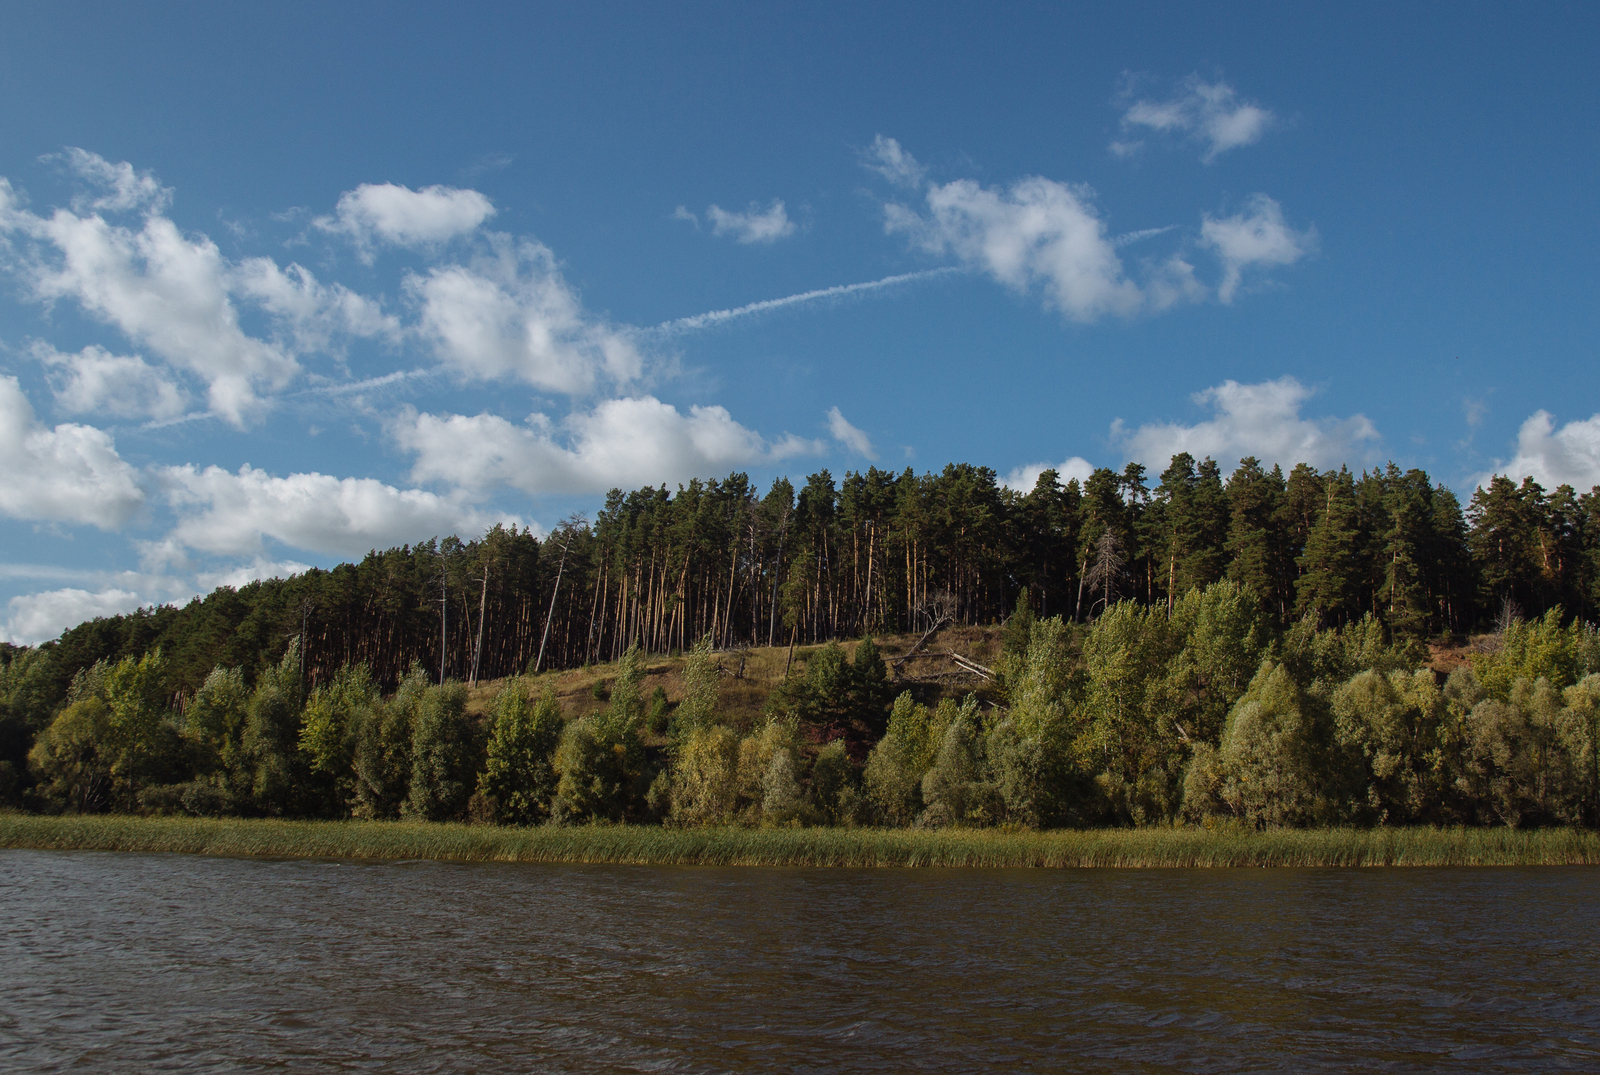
1143 233
717 317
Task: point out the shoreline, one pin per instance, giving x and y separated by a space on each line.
869 848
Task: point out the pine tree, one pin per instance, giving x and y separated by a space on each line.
1255 542
1328 568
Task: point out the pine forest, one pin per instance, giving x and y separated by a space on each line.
1258 647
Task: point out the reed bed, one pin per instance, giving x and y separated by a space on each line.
648 845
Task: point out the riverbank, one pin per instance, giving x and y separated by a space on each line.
649 845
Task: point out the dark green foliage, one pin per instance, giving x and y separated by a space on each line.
519 775
383 750
660 711
1192 647
446 755
271 742
72 759
838 696
1019 628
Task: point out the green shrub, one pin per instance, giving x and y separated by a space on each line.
519 775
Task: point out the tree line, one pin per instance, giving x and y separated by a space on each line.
1145 716
878 552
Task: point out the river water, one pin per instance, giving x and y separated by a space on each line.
124 962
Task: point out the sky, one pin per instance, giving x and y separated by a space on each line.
281 284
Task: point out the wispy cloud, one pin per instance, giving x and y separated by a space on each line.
1211 113
753 225
889 159
1258 236
848 435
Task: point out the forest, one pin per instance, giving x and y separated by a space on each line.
1252 649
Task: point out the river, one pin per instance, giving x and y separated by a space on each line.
127 962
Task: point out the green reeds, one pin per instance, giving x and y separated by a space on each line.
638 844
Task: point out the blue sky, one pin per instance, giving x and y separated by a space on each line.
278 286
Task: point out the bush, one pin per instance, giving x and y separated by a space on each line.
1269 760
72 761
444 755
383 749
519 775
601 768
702 688
955 789
835 799
1386 726
705 788
780 790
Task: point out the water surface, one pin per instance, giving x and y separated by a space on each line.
124 962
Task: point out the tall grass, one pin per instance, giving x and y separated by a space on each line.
807 847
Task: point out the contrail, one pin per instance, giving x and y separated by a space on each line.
1144 233
717 317
371 382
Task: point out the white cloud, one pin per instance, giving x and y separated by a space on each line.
164 291
121 188
315 315
886 157
399 216
95 381
244 574
755 225
1257 236
1210 112
511 314
1038 232
848 435
229 513
1550 456
39 617
624 443
1262 420
1024 478
69 474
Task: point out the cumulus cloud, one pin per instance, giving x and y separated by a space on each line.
1208 112
1036 233
166 292
1258 236
1262 420
229 514
886 157
393 215
95 381
1550 456
511 314
1022 479
314 316
623 443
117 187
848 435
1040 235
754 225
39 617
69 474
